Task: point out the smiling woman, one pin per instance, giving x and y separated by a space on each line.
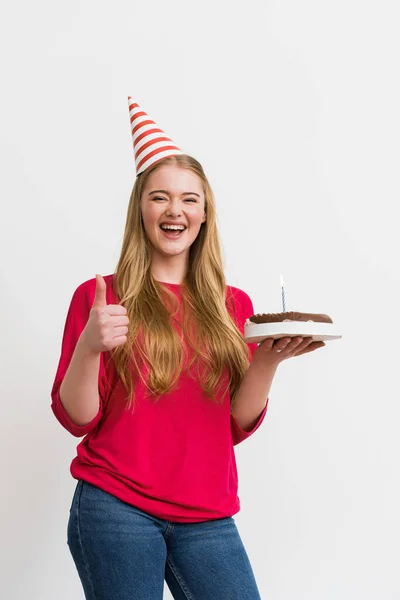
153 360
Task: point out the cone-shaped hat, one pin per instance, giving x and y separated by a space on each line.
150 143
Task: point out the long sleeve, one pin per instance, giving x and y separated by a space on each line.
245 311
76 320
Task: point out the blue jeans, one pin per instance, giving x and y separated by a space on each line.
123 553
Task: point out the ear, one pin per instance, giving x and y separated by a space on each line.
204 217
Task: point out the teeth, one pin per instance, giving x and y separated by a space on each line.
173 227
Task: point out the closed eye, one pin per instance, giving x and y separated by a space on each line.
186 199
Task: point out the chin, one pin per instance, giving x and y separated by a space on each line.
169 250
173 252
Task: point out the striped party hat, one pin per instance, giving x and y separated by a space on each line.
150 143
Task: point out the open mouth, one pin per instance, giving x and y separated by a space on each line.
172 234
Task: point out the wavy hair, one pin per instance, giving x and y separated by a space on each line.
158 343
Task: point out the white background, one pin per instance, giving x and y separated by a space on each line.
293 110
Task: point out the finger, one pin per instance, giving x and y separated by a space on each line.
292 347
119 321
303 343
287 345
116 310
267 343
100 293
282 343
118 341
118 331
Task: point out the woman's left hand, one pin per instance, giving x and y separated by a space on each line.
279 350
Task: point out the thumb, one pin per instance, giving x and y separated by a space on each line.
100 293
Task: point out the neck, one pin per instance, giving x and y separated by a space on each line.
171 270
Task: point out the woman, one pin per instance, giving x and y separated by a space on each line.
155 374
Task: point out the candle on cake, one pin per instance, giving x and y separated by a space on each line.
260 326
283 295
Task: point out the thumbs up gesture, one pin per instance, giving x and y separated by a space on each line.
107 326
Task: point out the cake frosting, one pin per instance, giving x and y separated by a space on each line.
288 316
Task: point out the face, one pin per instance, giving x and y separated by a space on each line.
172 195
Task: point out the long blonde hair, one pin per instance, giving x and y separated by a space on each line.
207 327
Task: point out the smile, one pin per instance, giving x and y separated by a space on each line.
172 234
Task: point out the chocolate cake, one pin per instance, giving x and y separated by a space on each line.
289 324
289 316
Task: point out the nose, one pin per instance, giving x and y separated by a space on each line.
174 208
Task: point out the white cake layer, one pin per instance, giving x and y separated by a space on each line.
257 332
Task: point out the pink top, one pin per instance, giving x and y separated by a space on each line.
173 459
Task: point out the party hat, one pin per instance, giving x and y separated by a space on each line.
150 143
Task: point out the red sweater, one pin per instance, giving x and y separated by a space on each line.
173 459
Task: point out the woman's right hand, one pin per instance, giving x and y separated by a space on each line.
107 326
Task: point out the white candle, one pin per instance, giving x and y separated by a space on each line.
283 294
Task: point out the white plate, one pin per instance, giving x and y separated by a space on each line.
320 332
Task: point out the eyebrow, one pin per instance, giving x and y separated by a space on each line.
165 192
